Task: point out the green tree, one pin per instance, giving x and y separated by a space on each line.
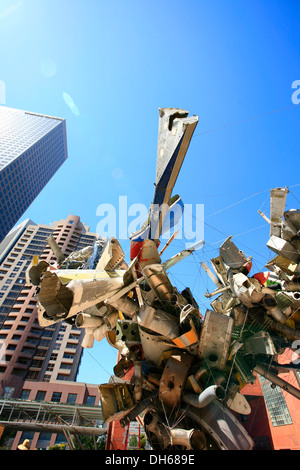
143 441
7 434
88 443
133 442
57 447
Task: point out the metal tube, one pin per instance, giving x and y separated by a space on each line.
192 439
126 305
199 373
208 395
56 249
55 428
88 340
85 320
109 323
270 305
217 291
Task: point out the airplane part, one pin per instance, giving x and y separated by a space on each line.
174 134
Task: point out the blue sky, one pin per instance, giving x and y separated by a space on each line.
108 66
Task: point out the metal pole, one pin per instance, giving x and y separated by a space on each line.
262 370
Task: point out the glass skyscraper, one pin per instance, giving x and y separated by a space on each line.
32 149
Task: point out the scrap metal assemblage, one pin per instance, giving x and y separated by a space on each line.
180 373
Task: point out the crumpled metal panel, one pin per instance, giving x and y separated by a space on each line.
225 302
283 248
231 255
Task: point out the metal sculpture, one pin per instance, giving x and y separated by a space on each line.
180 373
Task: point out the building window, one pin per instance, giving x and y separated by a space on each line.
62 377
16 337
60 439
56 396
8 392
275 402
26 435
44 440
32 375
25 394
90 400
72 398
65 366
40 396
68 356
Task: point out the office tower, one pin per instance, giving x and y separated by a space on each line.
30 352
32 149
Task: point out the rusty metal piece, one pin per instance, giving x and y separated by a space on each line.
173 379
215 339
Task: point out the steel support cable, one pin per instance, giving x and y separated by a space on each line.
244 120
226 236
235 204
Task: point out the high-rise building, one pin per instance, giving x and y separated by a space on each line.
32 149
30 352
40 364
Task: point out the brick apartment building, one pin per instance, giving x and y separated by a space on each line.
38 363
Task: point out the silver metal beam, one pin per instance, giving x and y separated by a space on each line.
54 428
